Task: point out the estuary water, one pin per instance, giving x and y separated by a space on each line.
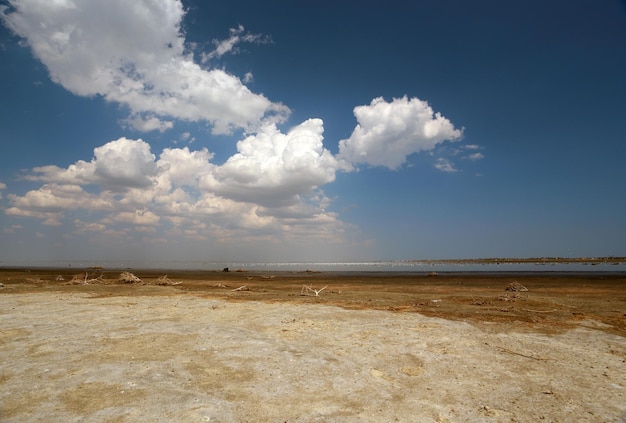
370 266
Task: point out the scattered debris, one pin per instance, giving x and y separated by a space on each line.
59 278
481 301
516 287
506 297
127 277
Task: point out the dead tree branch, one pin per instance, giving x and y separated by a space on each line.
164 280
308 291
78 279
241 288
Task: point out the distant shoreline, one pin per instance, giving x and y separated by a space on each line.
532 260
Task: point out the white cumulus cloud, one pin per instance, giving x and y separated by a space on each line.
182 167
124 163
133 53
272 168
388 132
117 165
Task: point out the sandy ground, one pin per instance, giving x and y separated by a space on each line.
163 353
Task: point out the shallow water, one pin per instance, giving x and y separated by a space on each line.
371 266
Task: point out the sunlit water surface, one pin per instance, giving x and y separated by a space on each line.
372 266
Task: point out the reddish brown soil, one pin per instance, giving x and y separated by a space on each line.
552 304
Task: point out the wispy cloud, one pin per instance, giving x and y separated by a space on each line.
231 44
459 152
476 156
147 123
445 165
47 218
12 229
470 152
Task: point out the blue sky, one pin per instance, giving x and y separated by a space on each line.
311 131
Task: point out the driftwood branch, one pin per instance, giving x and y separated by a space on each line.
241 288
310 292
164 280
87 280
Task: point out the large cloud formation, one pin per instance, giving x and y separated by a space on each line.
271 182
133 53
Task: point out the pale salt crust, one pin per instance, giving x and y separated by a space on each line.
69 357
